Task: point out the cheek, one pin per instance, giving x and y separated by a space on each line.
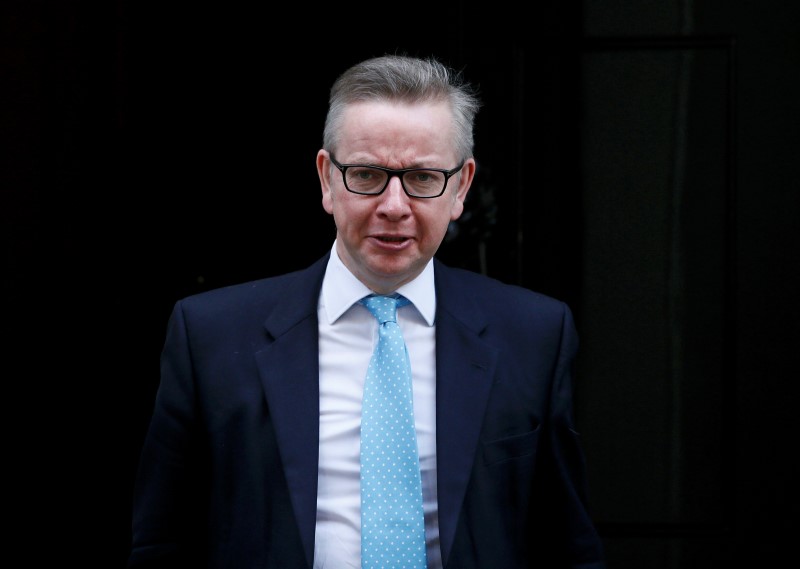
434 224
337 204
349 212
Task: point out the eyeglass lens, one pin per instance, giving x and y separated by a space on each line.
367 180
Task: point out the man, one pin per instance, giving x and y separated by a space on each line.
252 459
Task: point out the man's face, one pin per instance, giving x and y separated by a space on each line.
387 240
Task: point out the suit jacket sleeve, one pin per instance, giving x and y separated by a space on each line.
166 509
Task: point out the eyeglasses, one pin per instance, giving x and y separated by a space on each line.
416 182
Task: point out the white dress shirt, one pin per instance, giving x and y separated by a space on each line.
347 335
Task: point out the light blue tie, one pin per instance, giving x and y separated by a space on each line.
392 519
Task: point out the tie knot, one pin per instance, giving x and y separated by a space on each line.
384 308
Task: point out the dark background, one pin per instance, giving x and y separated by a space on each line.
636 159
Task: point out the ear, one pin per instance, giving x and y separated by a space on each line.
464 178
324 173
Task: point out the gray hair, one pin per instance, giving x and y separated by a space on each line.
404 79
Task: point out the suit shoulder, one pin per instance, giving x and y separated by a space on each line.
239 291
257 297
485 288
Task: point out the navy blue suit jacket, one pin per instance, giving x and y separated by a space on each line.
228 472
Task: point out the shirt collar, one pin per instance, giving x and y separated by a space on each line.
341 289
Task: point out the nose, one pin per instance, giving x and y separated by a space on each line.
394 200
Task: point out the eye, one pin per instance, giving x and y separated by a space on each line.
365 174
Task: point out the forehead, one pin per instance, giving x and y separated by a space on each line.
397 130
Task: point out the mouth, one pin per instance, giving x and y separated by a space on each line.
390 239
391 242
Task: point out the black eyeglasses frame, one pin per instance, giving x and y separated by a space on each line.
399 173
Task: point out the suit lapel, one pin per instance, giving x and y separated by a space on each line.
289 371
465 368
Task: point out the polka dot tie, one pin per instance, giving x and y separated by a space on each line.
392 520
